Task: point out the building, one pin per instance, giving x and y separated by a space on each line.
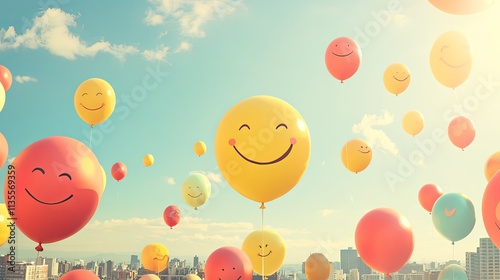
26 271
92 266
412 268
103 269
472 265
195 262
110 266
134 262
489 260
348 259
53 267
408 276
377 276
431 274
353 274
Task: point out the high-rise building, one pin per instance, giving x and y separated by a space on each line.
52 265
24 270
489 260
353 274
348 259
103 269
110 265
134 262
472 267
195 261
363 268
92 266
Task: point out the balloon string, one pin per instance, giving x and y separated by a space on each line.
90 140
36 260
262 245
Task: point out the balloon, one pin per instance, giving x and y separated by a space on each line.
228 263
94 101
4 224
266 249
461 132
491 209
196 189
491 167
79 274
155 257
118 171
453 216
54 181
103 179
172 215
451 59
413 122
148 160
200 148
5 78
397 78
356 155
342 58
453 272
428 195
262 147
4 150
461 7
2 97
317 267
384 240
149 277
195 277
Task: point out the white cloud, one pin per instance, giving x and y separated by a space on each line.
152 18
170 180
377 137
24 79
184 47
327 212
156 55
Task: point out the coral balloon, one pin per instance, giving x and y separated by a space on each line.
453 216
2 97
413 122
54 181
149 277
262 147
356 155
428 195
192 277
452 272
492 166
397 78
491 209
4 150
317 267
5 78
384 240
200 148
94 101
451 59
155 257
118 171
461 132
461 7
342 58
148 160
172 215
4 224
228 263
196 189
266 249
79 274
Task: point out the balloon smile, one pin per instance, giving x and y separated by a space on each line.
343 55
454 66
158 259
364 152
449 213
402 79
195 196
92 109
283 156
48 203
263 256
498 227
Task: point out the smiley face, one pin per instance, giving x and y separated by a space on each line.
451 59
453 216
228 263
262 147
266 247
461 7
94 101
397 78
58 181
342 58
356 155
155 257
196 189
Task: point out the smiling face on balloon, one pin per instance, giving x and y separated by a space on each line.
265 246
396 78
155 257
94 101
196 189
356 155
228 263
342 58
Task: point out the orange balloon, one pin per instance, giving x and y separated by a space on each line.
461 132
461 7
428 195
492 166
317 267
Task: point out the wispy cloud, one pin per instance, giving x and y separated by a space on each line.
156 55
25 79
326 212
374 136
170 180
184 47
213 177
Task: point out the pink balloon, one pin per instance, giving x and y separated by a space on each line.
228 263
119 171
4 150
79 274
5 77
428 195
172 215
342 58
461 132
53 186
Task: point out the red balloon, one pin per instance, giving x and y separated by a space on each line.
342 58
228 263
461 132
491 209
172 215
79 274
5 77
4 150
428 195
54 187
118 171
384 240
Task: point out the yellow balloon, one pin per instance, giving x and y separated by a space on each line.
356 155
413 122
2 97
266 249
200 148
155 257
191 277
492 166
196 189
317 267
148 160
397 78
451 59
262 147
4 222
461 7
103 179
95 101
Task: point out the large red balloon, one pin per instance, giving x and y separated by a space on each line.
172 215
342 58
228 263
461 132
5 77
428 195
491 209
53 186
384 240
4 150
79 274
119 171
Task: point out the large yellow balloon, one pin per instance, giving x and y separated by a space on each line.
451 59
4 222
461 7
95 101
317 267
196 189
413 122
200 148
148 160
262 147
397 78
356 155
266 249
492 166
155 257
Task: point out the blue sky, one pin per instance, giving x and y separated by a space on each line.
207 55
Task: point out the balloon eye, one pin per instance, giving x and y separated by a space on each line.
234 268
266 245
260 246
39 169
244 125
84 94
98 93
281 125
336 45
65 174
